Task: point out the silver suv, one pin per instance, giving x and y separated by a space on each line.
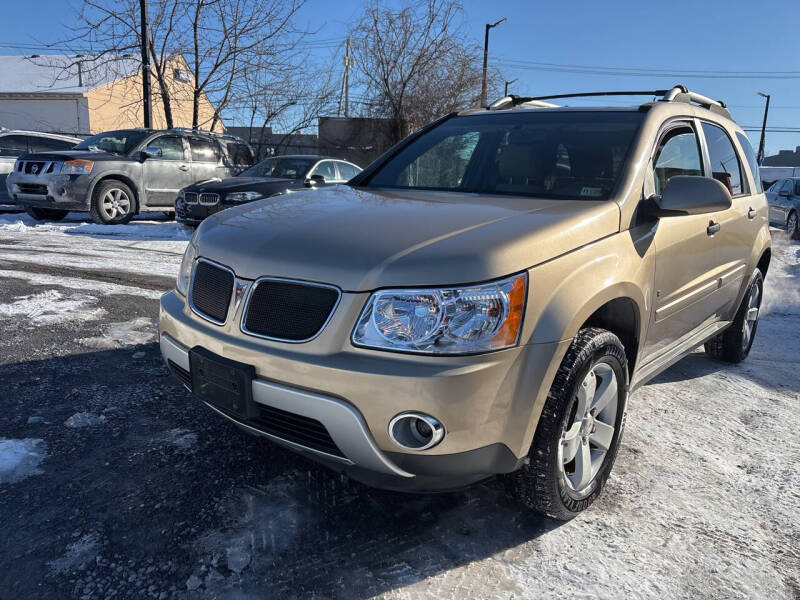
117 174
14 143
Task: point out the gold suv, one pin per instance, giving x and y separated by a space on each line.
484 297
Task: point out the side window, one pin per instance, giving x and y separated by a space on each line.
171 147
678 154
203 150
239 154
326 169
751 161
787 186
13 145
722 156
775 187
347 171
43 144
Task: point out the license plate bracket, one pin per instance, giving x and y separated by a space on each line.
223 383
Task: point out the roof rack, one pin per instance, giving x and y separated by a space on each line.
199 130
678 93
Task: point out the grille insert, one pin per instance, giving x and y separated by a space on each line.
212 288
32 188
295 428
181 373
209 199
290 311
190 198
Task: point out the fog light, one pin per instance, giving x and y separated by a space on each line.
416 431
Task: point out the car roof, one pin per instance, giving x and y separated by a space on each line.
57 136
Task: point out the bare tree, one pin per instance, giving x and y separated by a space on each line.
415 63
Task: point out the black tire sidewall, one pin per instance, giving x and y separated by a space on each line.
608 354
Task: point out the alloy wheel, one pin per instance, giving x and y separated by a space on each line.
589 432
791 224
115 204
751 317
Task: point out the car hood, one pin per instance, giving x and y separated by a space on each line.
74 155
361 240
243 184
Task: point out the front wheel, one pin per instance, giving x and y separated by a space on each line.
46 214
733 345
793 226
113 203
580 428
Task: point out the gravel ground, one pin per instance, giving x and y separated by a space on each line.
116 483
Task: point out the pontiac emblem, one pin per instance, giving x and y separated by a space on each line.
241 288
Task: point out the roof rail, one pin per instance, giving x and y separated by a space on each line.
199 130
678 93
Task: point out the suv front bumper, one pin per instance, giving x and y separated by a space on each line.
487 403
49 190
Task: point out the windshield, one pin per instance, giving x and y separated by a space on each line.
569 155
116 142
284 167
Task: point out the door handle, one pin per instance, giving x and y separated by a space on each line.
713 228
184 167
751 214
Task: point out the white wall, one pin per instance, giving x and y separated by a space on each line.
58 114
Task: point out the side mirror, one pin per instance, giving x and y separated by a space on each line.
691 195
152 152
314 180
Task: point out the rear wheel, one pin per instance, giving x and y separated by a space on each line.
46 214
113 203
579 431
733 345
793 226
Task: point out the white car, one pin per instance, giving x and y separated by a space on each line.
14 143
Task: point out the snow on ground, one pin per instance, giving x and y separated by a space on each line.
84 419
77 283
78 554
52 306
20 458
116 335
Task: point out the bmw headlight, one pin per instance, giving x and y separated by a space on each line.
463 320
243 196
185 273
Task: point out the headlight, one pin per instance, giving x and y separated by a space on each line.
185 273
243 196
77 167
445 321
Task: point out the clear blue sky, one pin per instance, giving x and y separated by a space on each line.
715 37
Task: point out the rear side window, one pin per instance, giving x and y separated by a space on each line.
751 161
239 154
13 145
678 153
43 144
203 150
724 162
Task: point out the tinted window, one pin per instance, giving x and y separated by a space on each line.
117 142
724 162
203 150
550 154
347 171
171 147
787 186
239 154
751 161
13 145
43 144
678 154
287 168
327 169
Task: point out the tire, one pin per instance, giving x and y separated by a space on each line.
46 214
113 203
793 226
545 484
733 345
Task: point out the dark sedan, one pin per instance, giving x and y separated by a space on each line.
784 205
270 177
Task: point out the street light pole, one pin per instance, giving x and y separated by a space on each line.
484 92
760 156
146 98
508 83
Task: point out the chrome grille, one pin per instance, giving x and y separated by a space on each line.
209 199
190 198
38 167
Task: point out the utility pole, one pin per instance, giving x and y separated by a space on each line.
79 62
344 96
508 83
484 92
760 156
146 99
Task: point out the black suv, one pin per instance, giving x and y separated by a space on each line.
117 174
270 177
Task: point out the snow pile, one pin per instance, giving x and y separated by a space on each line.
128 333
51 306
84 419
137 229
782 288
20 458
76 283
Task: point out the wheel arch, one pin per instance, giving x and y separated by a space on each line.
122 177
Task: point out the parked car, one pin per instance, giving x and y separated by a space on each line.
117 174
784 205
482 299
270 177
14 143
